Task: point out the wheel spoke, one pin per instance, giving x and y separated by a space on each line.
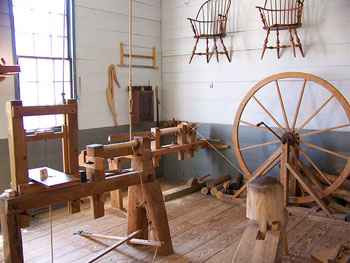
324 150
269 114
298 106
313 115
259 145
260 128
324 130
264 168
282 105
313 164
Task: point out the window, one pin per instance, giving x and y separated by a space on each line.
43 46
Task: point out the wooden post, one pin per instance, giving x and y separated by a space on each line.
191 137
148 198
117 207
155 208
97 201
181 140
155 144
12 236
70 151
284 173
17 146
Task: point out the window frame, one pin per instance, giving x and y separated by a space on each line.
71 56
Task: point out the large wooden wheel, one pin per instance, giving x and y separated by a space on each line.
301 111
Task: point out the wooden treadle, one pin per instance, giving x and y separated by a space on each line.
55 179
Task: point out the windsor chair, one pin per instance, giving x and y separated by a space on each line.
210 23
279 15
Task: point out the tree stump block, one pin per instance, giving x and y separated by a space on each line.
265 235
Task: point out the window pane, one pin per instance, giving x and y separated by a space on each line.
57 25
24 20
22 3
29 93
57 47
42 45
24 44
46 94
45 70
42 5
28 69
47 121
42 23
58 70
31 123
57 6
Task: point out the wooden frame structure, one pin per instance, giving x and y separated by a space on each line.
303 182
210 23
123 54
31 195
282 15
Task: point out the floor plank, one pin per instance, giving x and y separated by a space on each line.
203 229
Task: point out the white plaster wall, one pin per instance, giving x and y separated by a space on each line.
100 27
325 37
7 87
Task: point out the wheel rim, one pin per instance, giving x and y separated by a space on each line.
293 125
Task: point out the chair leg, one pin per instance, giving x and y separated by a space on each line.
278 43
216 50
194 50
299 43
265 43
291 40
225 50
207 54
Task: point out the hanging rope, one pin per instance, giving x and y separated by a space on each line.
64 47
130 70
51 233
112 77
144 201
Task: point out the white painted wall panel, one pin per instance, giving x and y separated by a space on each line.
186 92
100 27
7 88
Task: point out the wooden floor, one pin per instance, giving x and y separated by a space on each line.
203 229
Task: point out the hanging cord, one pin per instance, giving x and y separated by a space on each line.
51 233
64 47
130 70
223 156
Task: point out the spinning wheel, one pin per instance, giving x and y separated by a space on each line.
298 106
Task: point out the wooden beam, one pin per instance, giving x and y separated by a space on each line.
19 111
37 200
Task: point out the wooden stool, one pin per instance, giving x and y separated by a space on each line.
262 240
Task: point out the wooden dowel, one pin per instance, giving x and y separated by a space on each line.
324 150
107 250
216 181
132 241
169 131
234 183
216 189
205 190
314 114
269 114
